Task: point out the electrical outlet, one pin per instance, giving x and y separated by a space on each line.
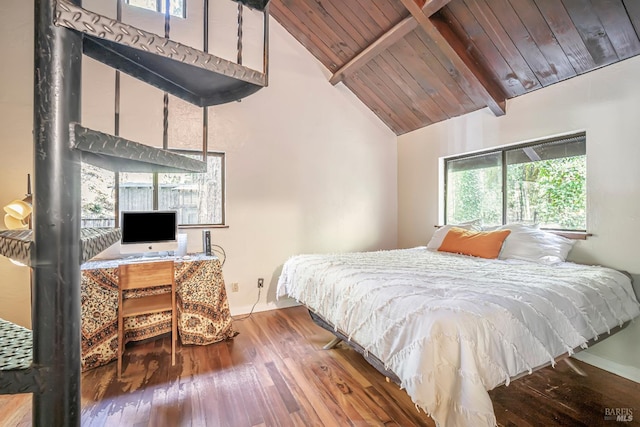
260 282
235 287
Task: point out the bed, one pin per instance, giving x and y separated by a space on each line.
450 327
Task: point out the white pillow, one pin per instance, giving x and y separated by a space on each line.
531 244
512 227
440 233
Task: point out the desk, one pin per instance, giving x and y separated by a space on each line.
203 309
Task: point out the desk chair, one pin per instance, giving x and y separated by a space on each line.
143 276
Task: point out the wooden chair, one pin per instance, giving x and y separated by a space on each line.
143 276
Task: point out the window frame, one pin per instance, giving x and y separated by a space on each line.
223 184
573 137
158 8
156 189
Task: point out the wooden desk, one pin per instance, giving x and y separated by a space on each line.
203 309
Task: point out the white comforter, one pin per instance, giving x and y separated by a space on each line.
451 326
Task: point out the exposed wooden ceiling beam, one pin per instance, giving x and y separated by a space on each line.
483 88
389 38
432 6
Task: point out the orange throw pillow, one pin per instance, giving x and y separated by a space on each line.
483 244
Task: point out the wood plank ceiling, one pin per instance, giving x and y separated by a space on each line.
415 63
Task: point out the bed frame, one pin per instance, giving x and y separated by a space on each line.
373 360
391 376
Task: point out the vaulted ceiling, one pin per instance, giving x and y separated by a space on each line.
414 63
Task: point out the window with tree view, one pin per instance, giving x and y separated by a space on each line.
176 7
197 197
539 183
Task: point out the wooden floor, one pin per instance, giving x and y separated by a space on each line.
275 373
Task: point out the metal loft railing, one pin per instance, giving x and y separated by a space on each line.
63 32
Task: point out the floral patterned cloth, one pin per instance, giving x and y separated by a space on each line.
203 309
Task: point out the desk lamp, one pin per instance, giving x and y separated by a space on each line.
18 212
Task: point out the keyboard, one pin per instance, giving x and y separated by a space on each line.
149 258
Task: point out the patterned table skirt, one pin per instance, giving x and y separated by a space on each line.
203 309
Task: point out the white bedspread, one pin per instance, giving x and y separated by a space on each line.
452 327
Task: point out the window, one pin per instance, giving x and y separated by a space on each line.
538 183
197 197
97 197
474 189
176 7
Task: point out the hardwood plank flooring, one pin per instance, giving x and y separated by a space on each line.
275 373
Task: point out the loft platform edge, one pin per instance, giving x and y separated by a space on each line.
17 245
18 381
17 375
95 240
16 346
191 83
197 77
122 155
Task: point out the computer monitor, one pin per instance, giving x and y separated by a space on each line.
148 231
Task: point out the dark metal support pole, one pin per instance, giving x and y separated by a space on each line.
205 110
165 109
116 128
205 26
240 23
56 299
265 46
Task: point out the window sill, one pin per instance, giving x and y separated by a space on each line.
575 235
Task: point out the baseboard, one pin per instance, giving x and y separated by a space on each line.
274 305
628 372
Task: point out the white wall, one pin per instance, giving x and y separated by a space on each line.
16 140
605 103
309 168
